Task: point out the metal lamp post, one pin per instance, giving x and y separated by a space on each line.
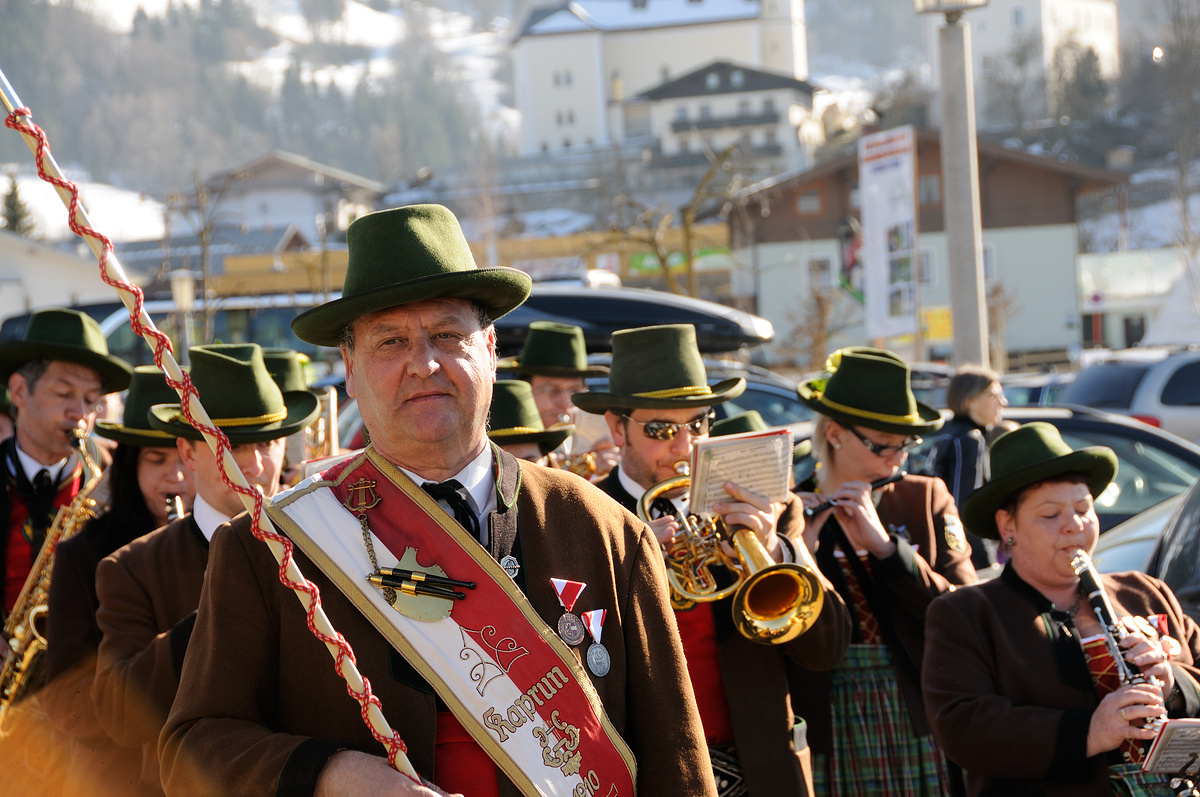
183 294
960 180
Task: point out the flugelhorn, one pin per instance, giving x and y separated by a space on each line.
772 603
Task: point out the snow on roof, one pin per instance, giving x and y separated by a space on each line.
615 15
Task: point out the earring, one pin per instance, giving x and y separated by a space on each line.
1011 541
837 446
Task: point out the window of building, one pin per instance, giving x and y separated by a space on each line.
745 140
809 202
712 81
681 112
570 117
664 72
770 137
988 62
1018 17
820 272
737 78
558 118
929 189
684 146
743 107
927 273
557 78
567 77
989 261
769 105
705 112
566 143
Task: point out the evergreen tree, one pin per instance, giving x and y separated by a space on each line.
17 217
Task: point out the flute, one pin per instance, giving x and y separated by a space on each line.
812 511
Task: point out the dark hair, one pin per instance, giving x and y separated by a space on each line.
967 383
481 315
1014 501
131 517
32 371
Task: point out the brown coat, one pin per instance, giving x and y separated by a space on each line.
755 676
1007 686
148 593
260 708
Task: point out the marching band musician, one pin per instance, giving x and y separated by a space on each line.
260 708
147 473
57 373
889 552
657 403
148 590
515 425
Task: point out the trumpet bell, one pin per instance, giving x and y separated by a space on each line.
778 604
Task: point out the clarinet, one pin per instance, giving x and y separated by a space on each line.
812 511
174 508
1114 630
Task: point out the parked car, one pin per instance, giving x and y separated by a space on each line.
1131 545
1154 465
1035 390
1176 555
1159 385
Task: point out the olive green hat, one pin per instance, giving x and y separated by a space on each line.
748 421
515 418
286 367
861 386
657 368
1027 455
68 336
240 397
406 255
552 349
147 387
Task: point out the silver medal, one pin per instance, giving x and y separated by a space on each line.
570 628
598 660
510 565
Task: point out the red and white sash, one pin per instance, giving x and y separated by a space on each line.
512 683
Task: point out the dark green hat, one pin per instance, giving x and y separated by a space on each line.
1027 455
406 255
240 397
147 387
869 387
286 367
69 336
658 368
515 418
552 349
748 421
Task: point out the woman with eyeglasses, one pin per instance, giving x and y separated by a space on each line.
889 546
959 456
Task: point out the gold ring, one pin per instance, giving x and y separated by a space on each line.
1123 715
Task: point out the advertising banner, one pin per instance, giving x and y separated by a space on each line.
887 176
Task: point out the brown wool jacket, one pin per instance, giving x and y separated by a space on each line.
260 709
148 594
756 676
1007 687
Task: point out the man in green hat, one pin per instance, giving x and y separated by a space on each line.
515 425
657 404
148 590
57 374
511 619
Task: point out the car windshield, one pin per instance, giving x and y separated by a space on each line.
775 409
1106 385
1178 556
1146 475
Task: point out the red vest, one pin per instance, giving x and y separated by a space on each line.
18 551
698 633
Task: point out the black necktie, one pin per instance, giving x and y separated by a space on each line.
455 495
41 508
661 507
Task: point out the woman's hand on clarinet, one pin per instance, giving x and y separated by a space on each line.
1148 656
1121 715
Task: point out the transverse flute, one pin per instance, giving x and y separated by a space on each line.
812 511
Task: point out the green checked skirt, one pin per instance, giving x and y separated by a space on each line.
1128 780
875 751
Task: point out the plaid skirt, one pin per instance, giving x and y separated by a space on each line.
875 751
1128 780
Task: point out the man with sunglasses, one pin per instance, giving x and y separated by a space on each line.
657 404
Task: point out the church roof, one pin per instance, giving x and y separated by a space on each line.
578 16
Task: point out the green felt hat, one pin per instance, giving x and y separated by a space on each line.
147 387
286 367
552 349
407 255
1027 455
68 336
861 386
748 421
515 418
657 368
240 397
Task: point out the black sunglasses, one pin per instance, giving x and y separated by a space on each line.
907 447
666 430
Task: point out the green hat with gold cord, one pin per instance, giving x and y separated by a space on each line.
286 367
147 387
240 397
68 336
861 386
515 418
407 255
552 349
657 368
1027 455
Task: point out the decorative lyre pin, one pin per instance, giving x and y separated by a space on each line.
362 496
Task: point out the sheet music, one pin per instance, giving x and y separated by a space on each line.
758 461
1174 747
590 431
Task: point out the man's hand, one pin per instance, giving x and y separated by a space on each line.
350 773
753 511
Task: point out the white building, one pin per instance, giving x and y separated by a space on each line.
768 114
1040 27
576 63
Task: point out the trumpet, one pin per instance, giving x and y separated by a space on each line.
772 603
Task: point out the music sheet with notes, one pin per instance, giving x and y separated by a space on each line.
758 461
1176 747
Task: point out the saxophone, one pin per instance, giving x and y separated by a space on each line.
25 627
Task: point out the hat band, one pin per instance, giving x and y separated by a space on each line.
677 392
517 430
912 417
143 432
269 417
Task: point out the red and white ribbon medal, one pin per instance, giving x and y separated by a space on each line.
570 627
598 660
